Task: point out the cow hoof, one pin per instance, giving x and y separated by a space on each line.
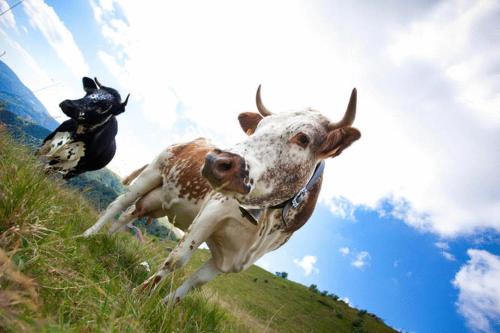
171 300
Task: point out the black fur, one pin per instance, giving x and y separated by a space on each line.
93 123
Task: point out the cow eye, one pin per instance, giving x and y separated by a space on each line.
301 139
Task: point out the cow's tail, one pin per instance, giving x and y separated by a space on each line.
133 175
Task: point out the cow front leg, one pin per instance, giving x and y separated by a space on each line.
176 259
203 275
200 230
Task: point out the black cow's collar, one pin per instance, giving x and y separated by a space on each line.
294 202
84 129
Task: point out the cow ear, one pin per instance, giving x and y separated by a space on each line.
249 121
89 85
337 140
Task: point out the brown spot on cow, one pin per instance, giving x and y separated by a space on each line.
150 283
187 176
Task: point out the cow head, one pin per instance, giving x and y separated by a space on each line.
279 155
98 105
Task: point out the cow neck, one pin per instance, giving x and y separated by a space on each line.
82 129
294 202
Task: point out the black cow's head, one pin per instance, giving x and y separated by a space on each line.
98 105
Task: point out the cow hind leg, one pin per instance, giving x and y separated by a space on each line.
146 205
148 180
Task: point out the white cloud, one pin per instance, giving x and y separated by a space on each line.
8 20
44 18
346 300
442 245
344 251
478 282
414 116
448 256
426 108
33 75
341 207
361 260
307 264
100 7
445 247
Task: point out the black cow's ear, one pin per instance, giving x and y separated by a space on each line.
249 121
89 85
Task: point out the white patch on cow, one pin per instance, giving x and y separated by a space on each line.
269 153
100 95
67 156
52 147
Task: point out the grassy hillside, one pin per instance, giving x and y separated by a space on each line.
100 187
53 281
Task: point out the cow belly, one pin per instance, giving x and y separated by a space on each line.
238 244
181 212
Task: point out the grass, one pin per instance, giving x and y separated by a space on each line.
51 280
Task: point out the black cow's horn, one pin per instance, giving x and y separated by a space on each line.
126 100
349 115
260 106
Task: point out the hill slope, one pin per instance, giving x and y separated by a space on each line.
21 101
54 281
100 187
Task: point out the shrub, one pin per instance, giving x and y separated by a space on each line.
357 323
333 296
283 275
313 288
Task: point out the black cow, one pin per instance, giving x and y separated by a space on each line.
85 142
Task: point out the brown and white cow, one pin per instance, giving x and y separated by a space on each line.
238 201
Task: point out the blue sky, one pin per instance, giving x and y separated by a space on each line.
408 224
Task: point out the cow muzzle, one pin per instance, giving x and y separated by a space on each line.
70 109
226 172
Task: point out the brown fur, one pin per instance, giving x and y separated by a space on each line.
249 121
306 209
188 179
337 140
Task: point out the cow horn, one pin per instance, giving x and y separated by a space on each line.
260 106
349 115
98 83
126 101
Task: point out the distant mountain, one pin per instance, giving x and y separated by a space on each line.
21 101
